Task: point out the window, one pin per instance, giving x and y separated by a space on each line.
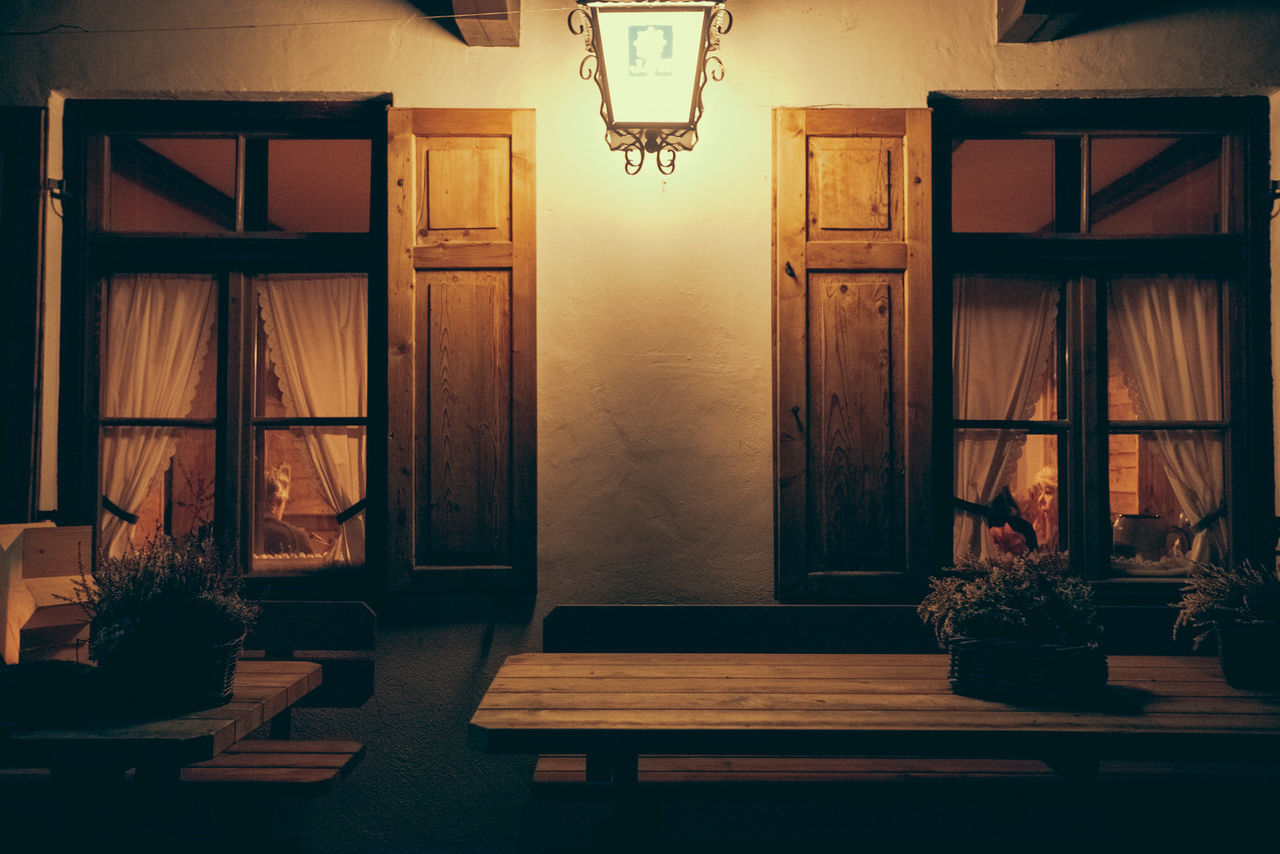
1101 265
222 264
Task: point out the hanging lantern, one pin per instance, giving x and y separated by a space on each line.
650 59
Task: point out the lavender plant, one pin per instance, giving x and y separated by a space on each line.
1224 595
180 592
1029 597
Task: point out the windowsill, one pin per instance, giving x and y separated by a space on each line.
288 564
1138 590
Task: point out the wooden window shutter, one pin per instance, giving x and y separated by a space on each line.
853 351
461 370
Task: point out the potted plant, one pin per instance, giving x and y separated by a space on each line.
1018 627
167 623
1240 605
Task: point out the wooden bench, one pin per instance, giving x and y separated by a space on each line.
276 768
254 767
887 791
565 775
236 799
773 803
340 636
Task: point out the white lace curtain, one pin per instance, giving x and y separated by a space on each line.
317 340
1002 334
158 329
1168 331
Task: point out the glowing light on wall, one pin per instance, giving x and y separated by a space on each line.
650 59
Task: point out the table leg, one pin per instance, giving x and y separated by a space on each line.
616 769
630 828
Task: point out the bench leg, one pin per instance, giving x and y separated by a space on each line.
617 769
633 823
282 724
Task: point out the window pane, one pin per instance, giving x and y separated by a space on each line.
309 502
153 480
1166 499
159 340
168 184
1155 185
1002 185
312 346
1164 337
1005 348
1006 492
318 185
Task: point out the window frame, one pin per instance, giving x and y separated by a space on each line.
22 245
1237 256
234 259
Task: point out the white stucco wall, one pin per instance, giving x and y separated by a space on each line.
654 343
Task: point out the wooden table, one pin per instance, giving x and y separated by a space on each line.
158 748
614 707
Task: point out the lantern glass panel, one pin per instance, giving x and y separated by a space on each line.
652 61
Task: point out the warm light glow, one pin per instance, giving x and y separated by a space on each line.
651 61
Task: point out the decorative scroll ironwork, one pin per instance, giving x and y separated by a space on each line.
663 143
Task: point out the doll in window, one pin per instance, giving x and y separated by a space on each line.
278 536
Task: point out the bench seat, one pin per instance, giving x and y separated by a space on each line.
564 776
286 768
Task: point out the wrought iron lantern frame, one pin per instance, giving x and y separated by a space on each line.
636 139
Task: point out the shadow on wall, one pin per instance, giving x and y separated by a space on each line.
441 11
1100 14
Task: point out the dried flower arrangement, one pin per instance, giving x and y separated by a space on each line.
161 608
1240 605
1018 628
1029 597
1227 595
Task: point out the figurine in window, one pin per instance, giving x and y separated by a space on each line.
278 536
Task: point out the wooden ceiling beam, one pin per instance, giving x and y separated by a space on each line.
488 23
1021 21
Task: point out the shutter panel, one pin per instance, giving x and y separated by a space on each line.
461 369
853 350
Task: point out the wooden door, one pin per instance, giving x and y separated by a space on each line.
852 349
461 370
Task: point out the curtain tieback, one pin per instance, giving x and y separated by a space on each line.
351 511
1002 511
118 511
971 507
1210 519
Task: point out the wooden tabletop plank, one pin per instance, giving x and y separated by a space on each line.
779 667
1159 706
261 690
931 661
748 684
246 716
1002 719
853 700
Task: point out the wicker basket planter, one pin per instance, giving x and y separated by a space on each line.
1250 654
160 679
1018 671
